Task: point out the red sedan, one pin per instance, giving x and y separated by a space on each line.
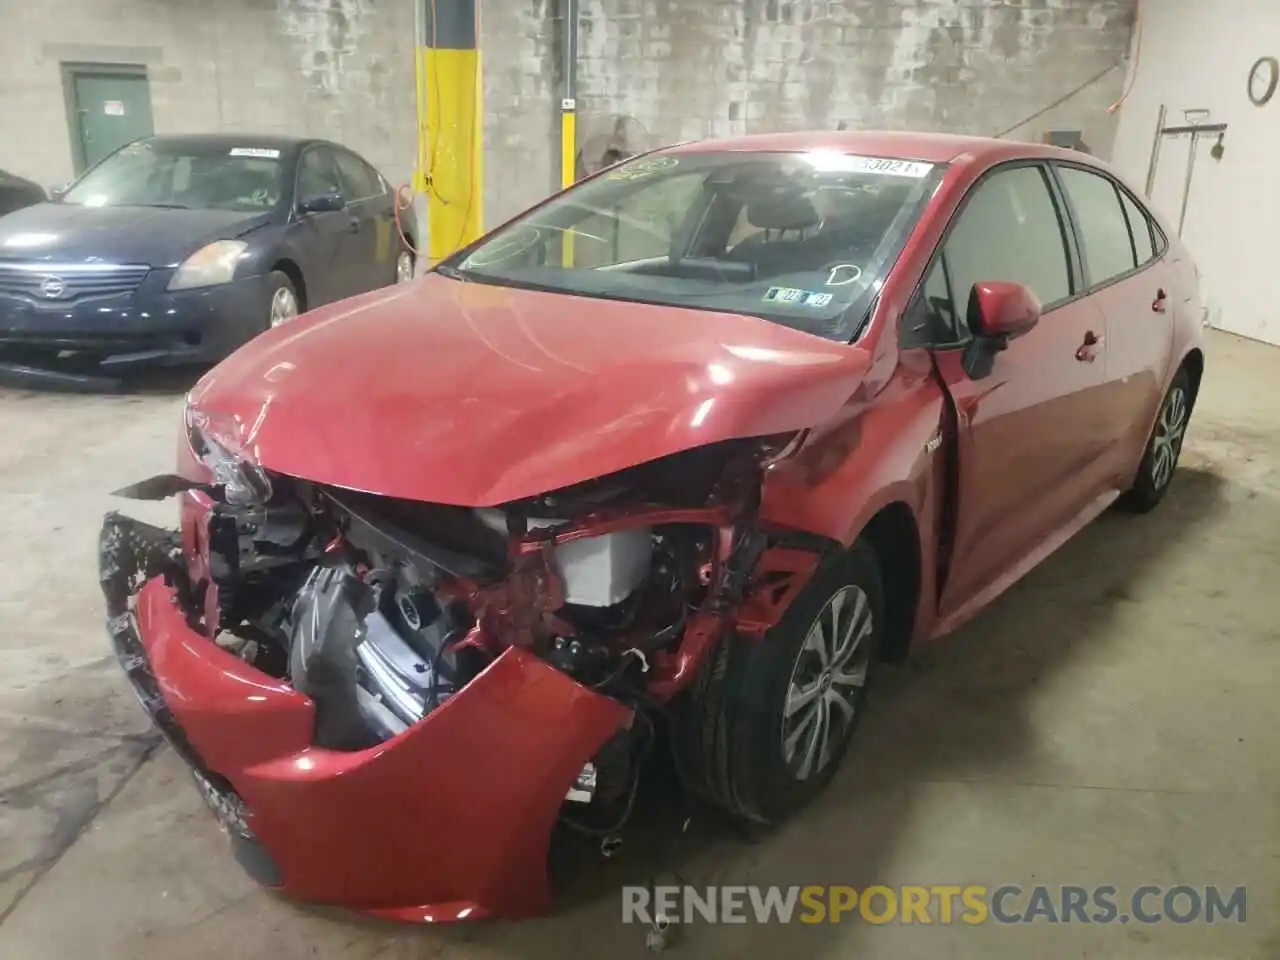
699 441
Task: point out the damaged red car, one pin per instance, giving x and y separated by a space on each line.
687 448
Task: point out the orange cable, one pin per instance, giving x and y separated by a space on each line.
1137 59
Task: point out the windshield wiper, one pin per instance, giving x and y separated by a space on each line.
453 273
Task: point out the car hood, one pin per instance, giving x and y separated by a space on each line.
477 395
156 236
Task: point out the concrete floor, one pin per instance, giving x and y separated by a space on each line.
1113 720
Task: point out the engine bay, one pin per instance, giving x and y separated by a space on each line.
380 610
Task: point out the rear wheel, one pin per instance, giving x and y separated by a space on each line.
1164 448
767 722
404 266
282 303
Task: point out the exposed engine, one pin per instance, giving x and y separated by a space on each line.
380 610
374 650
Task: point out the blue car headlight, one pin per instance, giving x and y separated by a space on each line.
211 265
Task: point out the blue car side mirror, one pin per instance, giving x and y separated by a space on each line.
325 203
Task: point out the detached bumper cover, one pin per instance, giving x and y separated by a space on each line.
450 820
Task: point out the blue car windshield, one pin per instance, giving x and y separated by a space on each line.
156 173
801 239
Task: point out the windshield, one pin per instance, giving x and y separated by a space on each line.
802 239
156 173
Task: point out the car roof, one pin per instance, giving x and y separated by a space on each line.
216 141
925 147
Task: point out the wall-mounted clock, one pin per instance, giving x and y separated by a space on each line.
1263 79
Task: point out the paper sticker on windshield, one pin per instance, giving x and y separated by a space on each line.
644 167
794 296
831 161
262 152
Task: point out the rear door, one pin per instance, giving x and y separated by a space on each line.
1028 433
1135 288
370 204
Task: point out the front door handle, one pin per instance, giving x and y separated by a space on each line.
354 225
1157 305
1086 352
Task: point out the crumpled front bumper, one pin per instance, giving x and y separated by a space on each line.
449 820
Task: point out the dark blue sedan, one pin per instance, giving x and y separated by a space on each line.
177 249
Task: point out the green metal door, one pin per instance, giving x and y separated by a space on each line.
111 109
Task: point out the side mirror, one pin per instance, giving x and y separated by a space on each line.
998 312
1002 310
325 203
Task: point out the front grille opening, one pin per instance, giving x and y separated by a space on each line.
59 283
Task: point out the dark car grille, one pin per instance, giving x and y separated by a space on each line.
54 283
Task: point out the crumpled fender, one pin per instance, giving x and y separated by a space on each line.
449 820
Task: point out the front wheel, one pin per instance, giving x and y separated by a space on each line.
282 304
1164 447
767 722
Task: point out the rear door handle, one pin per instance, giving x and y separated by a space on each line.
354 225
1086 352
1157 305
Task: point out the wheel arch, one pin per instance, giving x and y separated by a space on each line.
291 270
893 533
409 242
1193 363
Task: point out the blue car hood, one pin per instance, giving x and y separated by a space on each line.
156 236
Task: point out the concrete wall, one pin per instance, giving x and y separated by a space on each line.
686 69
520 56
677 69
1197 56
335 68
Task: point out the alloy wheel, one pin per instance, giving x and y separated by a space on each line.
284 306
1166 445
404 267
829 674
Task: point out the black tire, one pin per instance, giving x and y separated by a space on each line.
276 282
1155 473
728 728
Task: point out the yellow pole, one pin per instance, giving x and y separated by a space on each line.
568 164
568 10
451 138
568 143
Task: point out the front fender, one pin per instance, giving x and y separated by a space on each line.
882 452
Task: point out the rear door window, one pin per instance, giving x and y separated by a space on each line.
1104 231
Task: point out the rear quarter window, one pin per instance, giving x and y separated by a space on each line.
1140 227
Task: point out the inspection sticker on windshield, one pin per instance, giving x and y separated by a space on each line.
264 152
796 297
644 167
